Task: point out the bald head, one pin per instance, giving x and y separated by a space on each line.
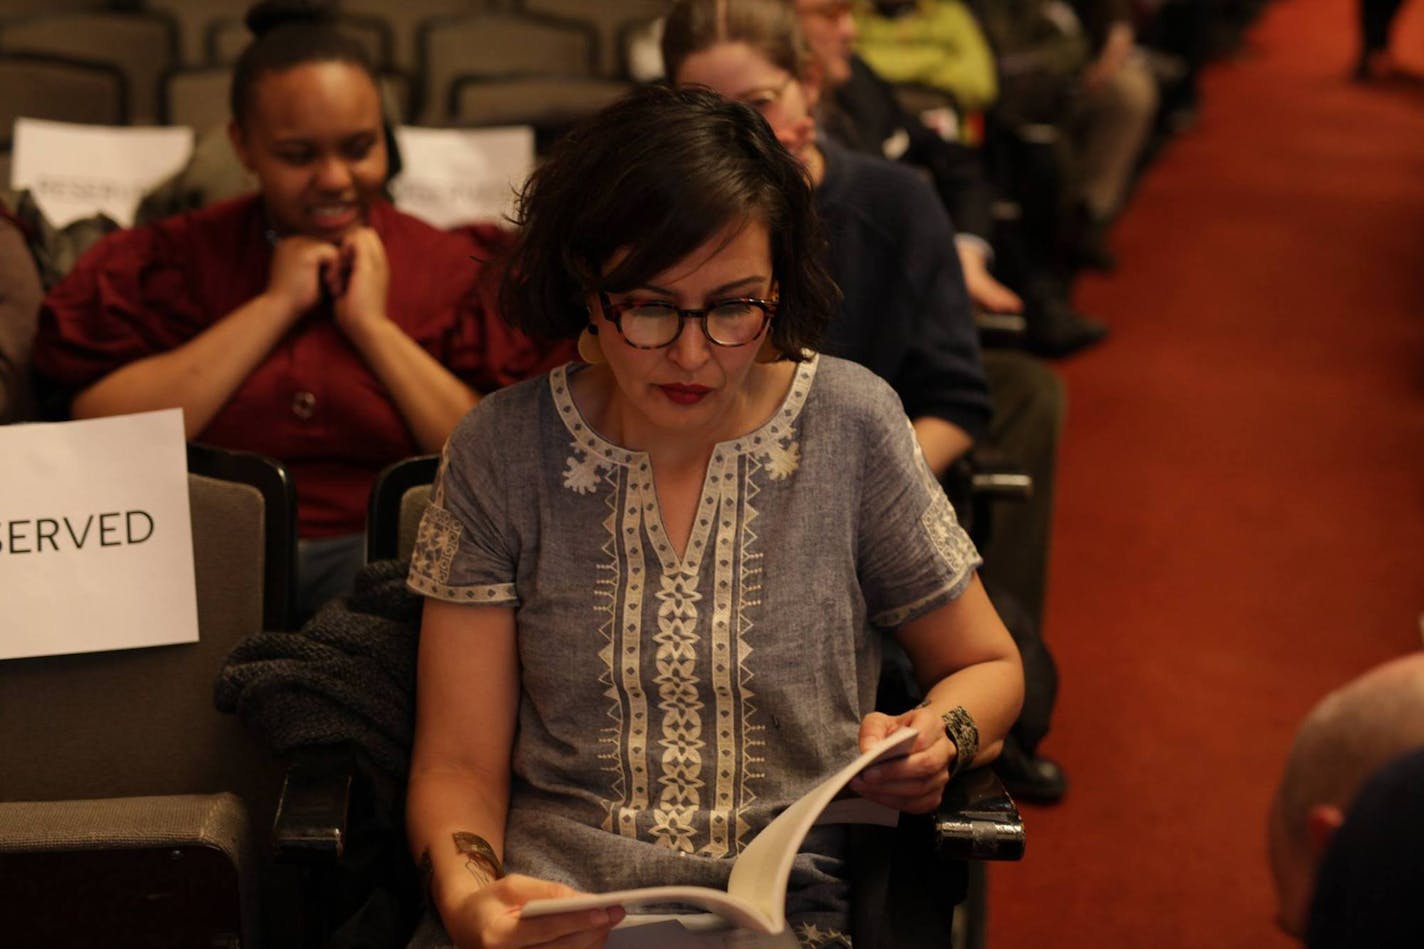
1349 735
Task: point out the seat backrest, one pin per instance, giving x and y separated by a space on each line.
19 9
545 103
197 98
143 45
43 86
142 721
497 45
399 497
610 20
404 19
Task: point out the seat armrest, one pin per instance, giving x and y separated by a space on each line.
978 820
993 477
978 481
1000 329
310 826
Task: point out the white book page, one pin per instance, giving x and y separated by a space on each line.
756 892
735 911
762 870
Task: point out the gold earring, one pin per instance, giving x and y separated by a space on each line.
590 350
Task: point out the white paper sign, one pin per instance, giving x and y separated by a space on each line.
75 171
96 540
460 176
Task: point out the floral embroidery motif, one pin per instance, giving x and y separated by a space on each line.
675 660
582 470
436 541
950 541
811 936
782 457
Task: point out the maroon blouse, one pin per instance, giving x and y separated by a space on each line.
313 403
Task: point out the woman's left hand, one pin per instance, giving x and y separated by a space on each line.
359 281
916 782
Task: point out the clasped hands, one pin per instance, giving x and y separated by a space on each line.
354 273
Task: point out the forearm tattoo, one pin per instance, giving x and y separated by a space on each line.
480 858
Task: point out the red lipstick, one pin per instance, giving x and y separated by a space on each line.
684 394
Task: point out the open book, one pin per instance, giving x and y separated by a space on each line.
755 898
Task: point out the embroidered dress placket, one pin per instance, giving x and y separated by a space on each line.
722 473
723 522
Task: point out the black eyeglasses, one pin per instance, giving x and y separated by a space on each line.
733 322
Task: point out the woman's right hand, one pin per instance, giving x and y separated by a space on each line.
489 918
299 266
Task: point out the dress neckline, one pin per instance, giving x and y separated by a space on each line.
589 439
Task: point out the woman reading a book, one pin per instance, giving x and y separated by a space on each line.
658 579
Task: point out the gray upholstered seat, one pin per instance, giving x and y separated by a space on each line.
50 87
117 765
142 45
497 45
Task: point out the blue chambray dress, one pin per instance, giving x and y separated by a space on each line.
672 706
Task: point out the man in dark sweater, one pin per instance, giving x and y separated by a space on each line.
889 253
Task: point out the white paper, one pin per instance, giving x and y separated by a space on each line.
96 541
460 176
76 171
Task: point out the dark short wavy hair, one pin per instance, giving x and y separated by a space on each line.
657 174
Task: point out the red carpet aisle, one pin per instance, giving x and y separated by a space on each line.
1241 513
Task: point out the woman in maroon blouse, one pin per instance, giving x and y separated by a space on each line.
312 322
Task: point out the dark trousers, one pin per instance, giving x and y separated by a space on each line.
1029 406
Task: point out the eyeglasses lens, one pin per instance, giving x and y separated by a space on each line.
732 323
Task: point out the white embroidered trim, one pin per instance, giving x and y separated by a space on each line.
949 540
774 443
811 936
496 594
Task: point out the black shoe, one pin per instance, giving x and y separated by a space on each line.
1031 778
1058 330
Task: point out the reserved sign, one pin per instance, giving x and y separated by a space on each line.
96 539
75 171
462 176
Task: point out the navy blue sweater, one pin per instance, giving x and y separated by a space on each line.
906 315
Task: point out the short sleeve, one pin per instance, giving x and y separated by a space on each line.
913 555
463 550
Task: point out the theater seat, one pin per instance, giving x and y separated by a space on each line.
44 86
130 808
141 44
548 104
497 45
610 20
